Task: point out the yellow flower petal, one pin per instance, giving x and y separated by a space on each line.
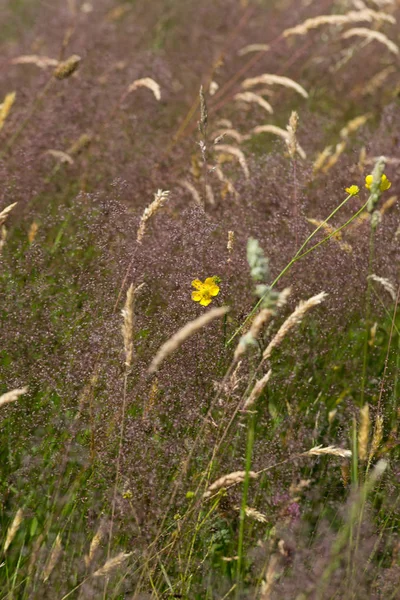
385 183
353 190
368 181
209 281
197 284
213 290
205 301
197 296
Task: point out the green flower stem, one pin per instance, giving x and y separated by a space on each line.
249 454
299 255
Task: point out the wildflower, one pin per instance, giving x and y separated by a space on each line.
353 190
205 291
384 185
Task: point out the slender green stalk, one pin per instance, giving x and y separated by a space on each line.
249 455
367 313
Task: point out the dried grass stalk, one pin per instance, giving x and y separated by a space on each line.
351 17
291 140
321 158
61 156
43 62
159 199
353 125
95 543
6 211
53 558
257 391
227 481
66 68
377 437
269 79
329 230
13 529
256 515
228 185
210 194
340 148
112 564
228 132
363 433
251 336
183 334
331 450
294 319
128 322
12 396
237 154
253 48
377 81
386 284
284 134
148 83
231 241
81 143
192 190
251 97
371 35
273 573
5 108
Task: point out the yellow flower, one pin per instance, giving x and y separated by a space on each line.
205 291
353 190
385 183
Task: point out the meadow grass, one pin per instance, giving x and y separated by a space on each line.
199 387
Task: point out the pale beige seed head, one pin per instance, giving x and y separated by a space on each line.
294 319
5 108
271 79
226 148
377 437
253 48
148 83
257 391
13 529
5 212
53 558
328 450
95 543
193 191
226 481
66 68
372 35
183 334
112 564
128 322
321 159
43 62
12 396
386 284
80 144
291 140
231 241
160 198
363 432
251 97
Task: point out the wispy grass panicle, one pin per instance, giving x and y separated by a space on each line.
363 433
13 528
66 68
160 197
128 322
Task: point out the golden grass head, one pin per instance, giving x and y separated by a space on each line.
66 68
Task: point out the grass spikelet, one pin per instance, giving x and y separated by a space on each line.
328 450
377 81
250 338
228 185
228 132
291 140
192 190
386 284
257 391
148 83
128 322
251 97
66 68
354 125
43 62
183 334
227 481
253 48
376 438
255 514
363 432
13 529
95 543
210 194
61 156
329 230
372 35
269 79
237 154
5 212
332 160
231 241
12 396
159 199
53 558
294 319
5 108
112 564
284 134
321 158
351 17
81 143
